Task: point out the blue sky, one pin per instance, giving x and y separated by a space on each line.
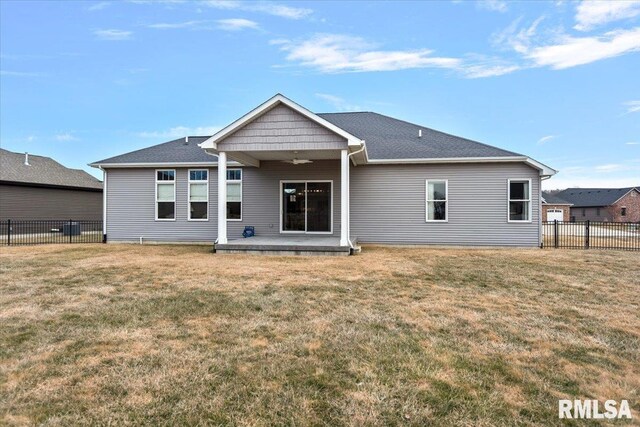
558 81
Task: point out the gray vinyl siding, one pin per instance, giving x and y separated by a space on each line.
131 208
18 202
388 205
131 202
281 128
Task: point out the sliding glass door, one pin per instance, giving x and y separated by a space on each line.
306 206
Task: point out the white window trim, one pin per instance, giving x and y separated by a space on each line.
305 181
530 214
446 200
175 204
189 182
241 200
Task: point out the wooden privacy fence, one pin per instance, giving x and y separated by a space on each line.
38 232
591 235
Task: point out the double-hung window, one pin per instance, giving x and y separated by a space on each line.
437 205
519 200
166 195
198 194
234 194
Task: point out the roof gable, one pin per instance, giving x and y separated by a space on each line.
211 143
42 171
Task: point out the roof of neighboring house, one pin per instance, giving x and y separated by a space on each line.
593 197
389 138
554 199
43 171
385 138
183 150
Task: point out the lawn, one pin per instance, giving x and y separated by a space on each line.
128 334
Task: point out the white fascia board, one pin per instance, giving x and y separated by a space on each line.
266 106
159 165
544 170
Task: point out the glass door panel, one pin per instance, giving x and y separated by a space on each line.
293 205
318 207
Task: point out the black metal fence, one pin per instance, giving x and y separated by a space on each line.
591 235
39 232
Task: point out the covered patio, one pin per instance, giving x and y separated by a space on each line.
307 160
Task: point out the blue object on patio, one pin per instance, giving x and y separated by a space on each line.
249 231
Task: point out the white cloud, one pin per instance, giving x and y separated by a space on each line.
493 5
99 6
331 53
19 73
177 25
570 51
591 14
632 106
546 139
269 8
337 103
611 167
237 24
632 143
112 34
562 182
180 132
64 137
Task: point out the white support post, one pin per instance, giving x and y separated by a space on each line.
222 197
344 198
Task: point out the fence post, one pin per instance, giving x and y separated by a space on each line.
8 232
70 232
586 235
555 233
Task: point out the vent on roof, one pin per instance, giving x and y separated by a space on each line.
26 159
419 133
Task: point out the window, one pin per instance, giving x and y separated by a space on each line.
520 200
166 195
198 194
234 194
623 211
584 212
437 200
597 211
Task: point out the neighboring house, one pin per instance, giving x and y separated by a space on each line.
555 208
39 188
304 179
603 204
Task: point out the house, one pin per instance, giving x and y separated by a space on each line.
323 182
555 208
39 188
603 204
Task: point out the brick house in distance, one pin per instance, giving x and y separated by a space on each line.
603 204
555 208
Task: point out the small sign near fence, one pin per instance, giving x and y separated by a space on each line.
39 232
591 235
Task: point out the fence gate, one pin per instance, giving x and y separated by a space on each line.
591 235
38 232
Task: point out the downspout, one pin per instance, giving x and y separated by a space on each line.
104 204
349 206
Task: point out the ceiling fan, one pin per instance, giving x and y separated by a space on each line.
297 161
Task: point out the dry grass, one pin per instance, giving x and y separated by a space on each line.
98 334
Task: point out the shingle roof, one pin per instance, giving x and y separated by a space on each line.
176 151
554 199
389 138
42 171
588 197
385 137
